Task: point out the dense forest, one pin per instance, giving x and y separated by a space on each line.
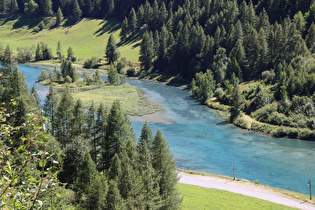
218 44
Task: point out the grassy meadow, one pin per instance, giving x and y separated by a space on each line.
130 97
195 197
87 38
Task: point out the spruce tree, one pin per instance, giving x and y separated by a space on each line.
165 167
113 76
97 192
50 107
111 52
132 21
124 30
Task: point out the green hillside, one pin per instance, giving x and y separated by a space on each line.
87 38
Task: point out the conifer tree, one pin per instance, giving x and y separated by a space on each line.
76 11
64 116
78 120
310 37
146 51
35 96
114 172
114 199
118 132
50 107
111 52
124 30
132 21
97 192
59 17
100 126
164 165
46 7
14 6
59 51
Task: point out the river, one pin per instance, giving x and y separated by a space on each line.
201 141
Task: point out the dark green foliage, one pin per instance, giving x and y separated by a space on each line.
111 52
31 9
58 50
43 52
114 200
118 132
68 70
35 96
64 116
164 164
24 54
46 7
70 55
50 107
76 11
204 85
91 63
146 51
59 16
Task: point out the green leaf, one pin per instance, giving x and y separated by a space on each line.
59 195
42 163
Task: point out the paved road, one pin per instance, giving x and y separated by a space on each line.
241 188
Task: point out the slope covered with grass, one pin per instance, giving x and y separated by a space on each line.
87 38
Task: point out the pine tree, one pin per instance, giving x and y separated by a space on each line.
76 11
146 51
46 7
59 18
114 172
38 53
111 52
235 110
50 107
97 192
164 165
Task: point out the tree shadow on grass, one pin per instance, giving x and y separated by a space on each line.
23 21
108 27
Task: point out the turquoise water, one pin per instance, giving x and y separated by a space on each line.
201 141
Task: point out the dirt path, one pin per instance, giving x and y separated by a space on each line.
242 188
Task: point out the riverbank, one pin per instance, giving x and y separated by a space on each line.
244 187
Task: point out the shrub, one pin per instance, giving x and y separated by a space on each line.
256 182
131 72
68 79
91 63
218 92
43 75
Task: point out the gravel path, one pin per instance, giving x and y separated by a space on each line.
241 188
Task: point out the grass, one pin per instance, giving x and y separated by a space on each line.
87 38
291 194
195 197
130 97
